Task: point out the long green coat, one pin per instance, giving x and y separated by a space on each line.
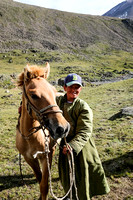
90 176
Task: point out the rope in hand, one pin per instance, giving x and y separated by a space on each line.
71 169
71 172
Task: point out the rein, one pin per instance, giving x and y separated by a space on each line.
71 174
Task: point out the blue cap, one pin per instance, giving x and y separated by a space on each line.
73 79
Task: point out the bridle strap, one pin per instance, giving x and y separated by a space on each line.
29 102
46 108
43 111
40 113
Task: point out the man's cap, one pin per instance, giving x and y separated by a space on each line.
73 79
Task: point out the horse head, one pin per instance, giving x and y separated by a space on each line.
40 100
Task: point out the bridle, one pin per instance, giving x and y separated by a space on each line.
41 115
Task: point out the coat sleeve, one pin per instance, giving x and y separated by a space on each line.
83 128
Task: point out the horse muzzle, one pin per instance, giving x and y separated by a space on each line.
56 130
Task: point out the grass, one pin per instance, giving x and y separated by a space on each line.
113 138
88 61
106 100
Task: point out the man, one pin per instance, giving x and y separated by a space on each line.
89 173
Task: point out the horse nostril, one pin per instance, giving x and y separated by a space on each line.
46 122
60 131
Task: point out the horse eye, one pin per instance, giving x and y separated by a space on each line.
34 96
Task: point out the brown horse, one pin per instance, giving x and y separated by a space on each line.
40 118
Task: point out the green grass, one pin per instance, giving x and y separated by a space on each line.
89 61
107 100
113 138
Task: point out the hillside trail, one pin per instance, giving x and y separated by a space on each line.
113 80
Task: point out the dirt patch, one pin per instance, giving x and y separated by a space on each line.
121 189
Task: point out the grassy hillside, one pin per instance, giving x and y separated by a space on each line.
100 67
98 48
24 26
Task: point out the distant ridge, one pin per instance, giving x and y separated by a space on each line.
24 26
122 10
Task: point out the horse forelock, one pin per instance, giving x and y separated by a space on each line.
35 71
32 72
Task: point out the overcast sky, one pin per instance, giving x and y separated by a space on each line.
94 7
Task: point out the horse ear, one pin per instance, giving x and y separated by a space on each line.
47 70
27 73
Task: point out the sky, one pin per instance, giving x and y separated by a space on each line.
93 7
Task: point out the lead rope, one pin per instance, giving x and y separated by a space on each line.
71 169
71 172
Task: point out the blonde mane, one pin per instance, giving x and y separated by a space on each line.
31 72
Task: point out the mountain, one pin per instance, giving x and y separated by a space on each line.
24 26
122 10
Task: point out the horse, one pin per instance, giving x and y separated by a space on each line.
40 123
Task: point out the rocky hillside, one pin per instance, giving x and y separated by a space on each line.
122 10
23 26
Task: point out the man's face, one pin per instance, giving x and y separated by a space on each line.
72 91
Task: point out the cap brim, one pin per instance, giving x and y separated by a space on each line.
73 82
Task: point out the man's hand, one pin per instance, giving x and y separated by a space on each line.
66 149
